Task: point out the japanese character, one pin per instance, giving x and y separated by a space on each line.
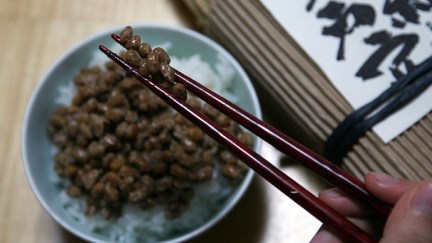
407 9
361 14
388 43
310 5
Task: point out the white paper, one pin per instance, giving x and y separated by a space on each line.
414 34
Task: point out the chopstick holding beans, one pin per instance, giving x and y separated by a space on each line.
285 144
163 88
152 63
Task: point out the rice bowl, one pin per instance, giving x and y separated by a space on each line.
191 50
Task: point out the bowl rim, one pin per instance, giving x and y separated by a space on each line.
241 190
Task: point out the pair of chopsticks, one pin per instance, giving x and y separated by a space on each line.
285 144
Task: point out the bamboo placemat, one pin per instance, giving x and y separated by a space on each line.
279 66
38 33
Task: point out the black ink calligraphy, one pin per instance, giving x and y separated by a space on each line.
401 13
362 14
310 5
406 9
388 43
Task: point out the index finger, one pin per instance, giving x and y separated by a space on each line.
387 188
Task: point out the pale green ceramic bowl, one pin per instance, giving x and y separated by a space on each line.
38 161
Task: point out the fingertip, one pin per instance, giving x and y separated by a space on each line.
332 193
386 187
380 178
411 218
325 236
343 203
333 197
422 199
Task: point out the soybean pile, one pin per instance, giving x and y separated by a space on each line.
117 143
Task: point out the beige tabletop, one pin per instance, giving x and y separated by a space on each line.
35 34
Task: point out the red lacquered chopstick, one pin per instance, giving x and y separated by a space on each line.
318 164
289 187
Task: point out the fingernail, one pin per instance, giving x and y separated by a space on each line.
422 201
384 179
333 193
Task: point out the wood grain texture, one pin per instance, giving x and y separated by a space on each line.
35 34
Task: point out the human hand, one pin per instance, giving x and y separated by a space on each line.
410 221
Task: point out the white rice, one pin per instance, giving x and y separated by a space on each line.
218 79
136 225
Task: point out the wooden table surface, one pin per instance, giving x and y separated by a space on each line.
35 34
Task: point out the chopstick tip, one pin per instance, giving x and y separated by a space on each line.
115 37
103 48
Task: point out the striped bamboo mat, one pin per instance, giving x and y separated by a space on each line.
277 65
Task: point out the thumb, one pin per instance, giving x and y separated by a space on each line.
411 217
